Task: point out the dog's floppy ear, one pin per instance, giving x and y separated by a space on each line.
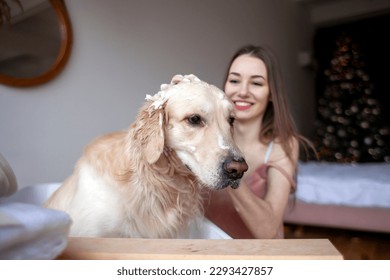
149 132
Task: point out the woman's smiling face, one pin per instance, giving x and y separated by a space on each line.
247 87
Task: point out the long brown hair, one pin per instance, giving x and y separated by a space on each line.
277 122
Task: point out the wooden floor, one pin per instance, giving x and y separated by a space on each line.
353 245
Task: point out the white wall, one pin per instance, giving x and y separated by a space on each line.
124 50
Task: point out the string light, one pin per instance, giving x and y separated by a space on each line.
350 127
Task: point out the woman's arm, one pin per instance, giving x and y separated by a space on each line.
263 217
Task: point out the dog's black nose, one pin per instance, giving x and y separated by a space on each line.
234 168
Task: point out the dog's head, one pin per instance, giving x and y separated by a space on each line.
195 120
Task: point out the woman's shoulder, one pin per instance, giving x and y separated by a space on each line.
285 153
292 142
285 163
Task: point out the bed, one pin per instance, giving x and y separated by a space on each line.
340 195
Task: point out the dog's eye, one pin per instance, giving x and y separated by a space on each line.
231 120
195 120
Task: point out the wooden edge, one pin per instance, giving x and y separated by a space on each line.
192 249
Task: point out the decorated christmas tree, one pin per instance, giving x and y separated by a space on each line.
351 126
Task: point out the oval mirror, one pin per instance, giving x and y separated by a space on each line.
36 45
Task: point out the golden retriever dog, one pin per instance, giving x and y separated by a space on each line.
146 182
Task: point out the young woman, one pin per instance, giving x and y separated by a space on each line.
265 132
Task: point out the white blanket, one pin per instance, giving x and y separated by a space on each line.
359 185
30 231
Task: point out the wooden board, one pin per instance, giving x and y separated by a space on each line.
191 249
